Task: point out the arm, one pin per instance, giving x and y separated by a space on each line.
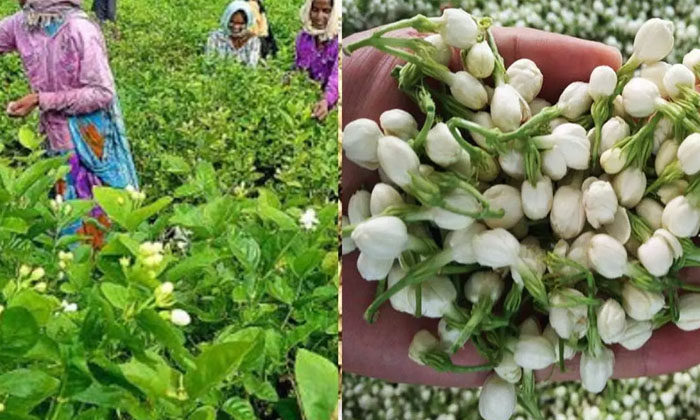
8 42
95 77
331 93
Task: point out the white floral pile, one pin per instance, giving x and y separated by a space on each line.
500 205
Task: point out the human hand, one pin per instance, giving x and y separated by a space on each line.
381 349
23 107
320 110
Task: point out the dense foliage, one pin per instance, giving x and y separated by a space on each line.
231 161
254 126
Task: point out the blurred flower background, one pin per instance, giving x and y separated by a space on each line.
614 23
611 21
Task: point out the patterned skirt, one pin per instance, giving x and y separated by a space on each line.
101 157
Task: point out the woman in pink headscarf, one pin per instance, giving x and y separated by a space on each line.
65 60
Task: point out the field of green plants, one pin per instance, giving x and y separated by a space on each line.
215 297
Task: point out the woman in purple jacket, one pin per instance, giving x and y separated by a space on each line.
317 50
65 60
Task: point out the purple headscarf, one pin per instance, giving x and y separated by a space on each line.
40 13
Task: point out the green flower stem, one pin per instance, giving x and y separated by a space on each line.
533 283
676 114
531 126
500 76
450 105
492 135
593 336
482 161
428 106
625 74
640 228
638 147
459 269
691 254
449 181
381 287
421 245
601 113
441 362
690 288
661 319
416 275
528 397
641 278
513 299
418 22
533 162
478 313
419 303
671 172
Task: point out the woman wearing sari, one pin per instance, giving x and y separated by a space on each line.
65 60
234 38
317 50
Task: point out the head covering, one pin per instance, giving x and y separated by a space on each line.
232 9
331 29
42 13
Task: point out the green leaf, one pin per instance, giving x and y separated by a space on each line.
214 365
116 203
288 409
41 307
28 384
239 409
27 137
280 289
116 294
108 373
77 379
259 388
154 379
317 384
169 336
307 261
14 225
274 346
176 164
19 331
203 413
245 249
79 208
114 398
139 216
268 198
193 265
34 173
280 218
14 416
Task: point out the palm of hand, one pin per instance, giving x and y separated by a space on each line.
381 349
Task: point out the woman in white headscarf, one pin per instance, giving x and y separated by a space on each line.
317 50
234 38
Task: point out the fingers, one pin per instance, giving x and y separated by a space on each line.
381 349
370 90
